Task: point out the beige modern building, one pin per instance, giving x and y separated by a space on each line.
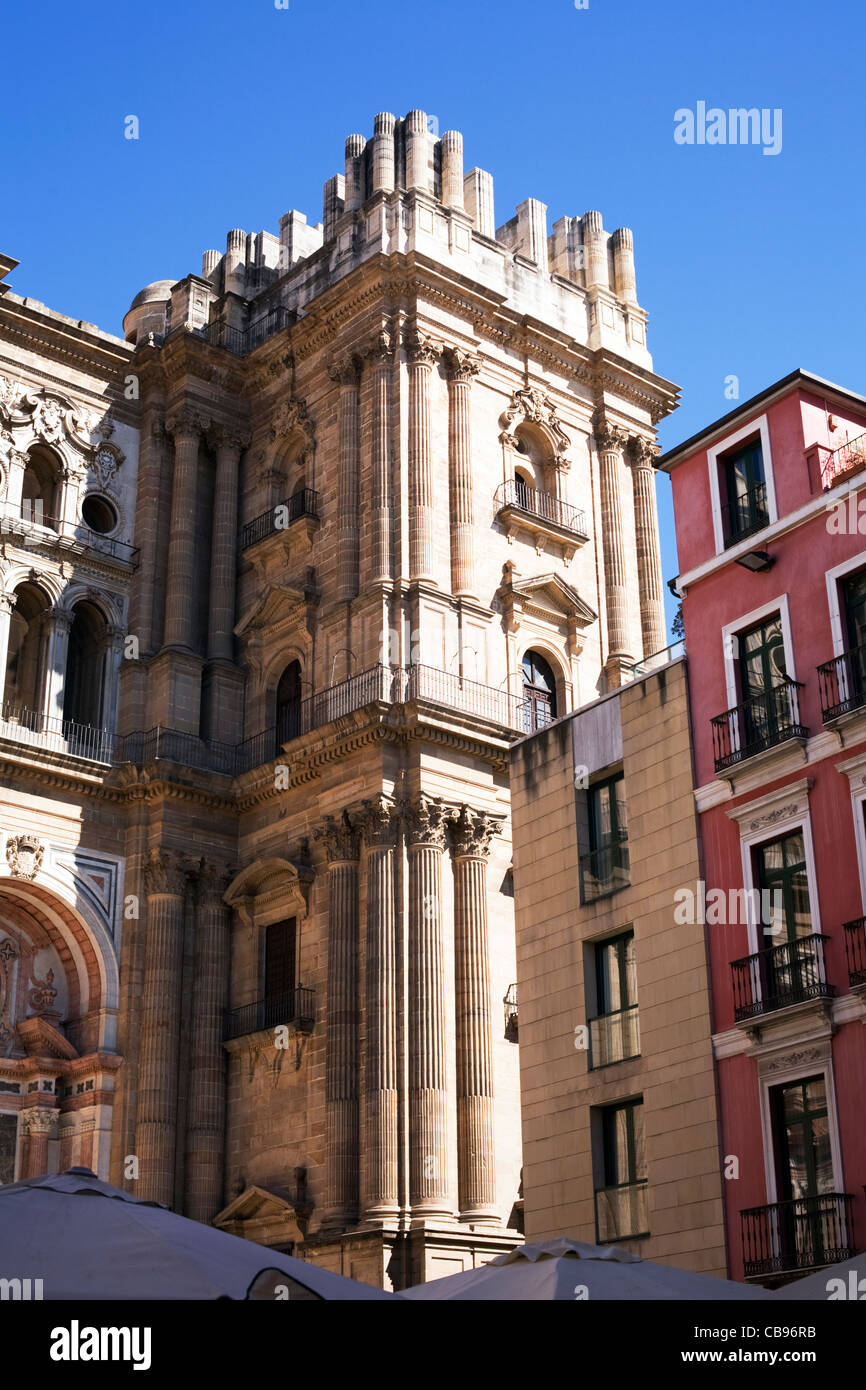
394 506
620 1129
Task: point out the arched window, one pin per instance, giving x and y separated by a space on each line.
523 488
41 486
85 667
288 714
23 677
539 692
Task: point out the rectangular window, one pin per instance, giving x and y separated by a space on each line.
621 1207
769 711
280 948
606 867
614 1034
744 492
790 968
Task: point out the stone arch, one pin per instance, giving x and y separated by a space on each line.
87 657
557 664
41 484
24 672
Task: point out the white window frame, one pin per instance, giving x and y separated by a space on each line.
724 446
855 770
749 842
837 630
732 630
798 1072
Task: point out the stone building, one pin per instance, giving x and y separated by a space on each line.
620 1122
395 506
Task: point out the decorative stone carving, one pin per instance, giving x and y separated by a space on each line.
377 822
609 438
187 421
42 995
805 1056
461 365
533 406
420 350
772 817
339 837
642 452
24 855
346 370
165 873
382 346
426 821
292 418
472 832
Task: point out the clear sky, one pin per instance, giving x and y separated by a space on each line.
749 264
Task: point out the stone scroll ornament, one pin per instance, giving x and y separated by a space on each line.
530 405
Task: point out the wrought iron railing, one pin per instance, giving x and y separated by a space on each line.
280 517
622 1211
780 976
543 505
614 1037
605 870
52 531
656 660
438 687
847 459
266 326
842 683
800 1234
855 951
220 334
173 745
53 735
746 515
296 1009
757 724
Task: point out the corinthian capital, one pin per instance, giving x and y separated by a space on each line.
40 1120
472 832
381 349
377 822
229 437
426 822
346 370
165 874
187 422
609 437
642 452
213 878
461 366
339 837
421 351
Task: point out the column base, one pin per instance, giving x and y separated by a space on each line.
394 1259
618 669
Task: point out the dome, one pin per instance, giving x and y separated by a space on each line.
159 289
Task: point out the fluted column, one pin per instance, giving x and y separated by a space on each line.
421 353
40 1125
150 477
223 566
341 1061
649 566
381 1199
114 637
347 372
165 883
7 604
181 588
472 833
461 369
610 441
206 1118
56 646
428 1146
381 355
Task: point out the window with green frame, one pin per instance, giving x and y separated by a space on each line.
621 1195
744 491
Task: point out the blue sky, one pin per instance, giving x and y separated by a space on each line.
749 264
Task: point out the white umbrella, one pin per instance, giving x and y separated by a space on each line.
569 1270
841 1282
86 1239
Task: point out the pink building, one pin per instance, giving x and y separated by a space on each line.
772 554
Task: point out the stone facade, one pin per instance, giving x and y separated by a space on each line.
389 463
592 1046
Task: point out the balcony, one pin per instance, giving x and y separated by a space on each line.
172 745
622 1211
604 871
240 341
763 722
748 514
855 951
842 683
844 462
45 734
52 533
795 1236
519 505
445 688
301 505
614 1037
295 1009
792 973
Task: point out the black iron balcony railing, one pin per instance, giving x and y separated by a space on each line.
281 516
757 724
510 1003
855 951
220 334
37 530
605 870
797 1235
295 1009
542 505
622 1211
49 734
843 462
746 515
792 973
266 326
842 683
456 692
172 745
614 1037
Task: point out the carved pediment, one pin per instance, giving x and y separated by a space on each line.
41 1039
530 405
268 879
545 600
268 1215
280 603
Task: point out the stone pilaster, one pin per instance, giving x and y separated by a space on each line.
472 833
56 639
347 372
381 356
421 354
428 1145
642 456
41 1126
223 569
181 580
151 471
206 1116
381 1199
341 1065
610 442
165 885
7 604
461 369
